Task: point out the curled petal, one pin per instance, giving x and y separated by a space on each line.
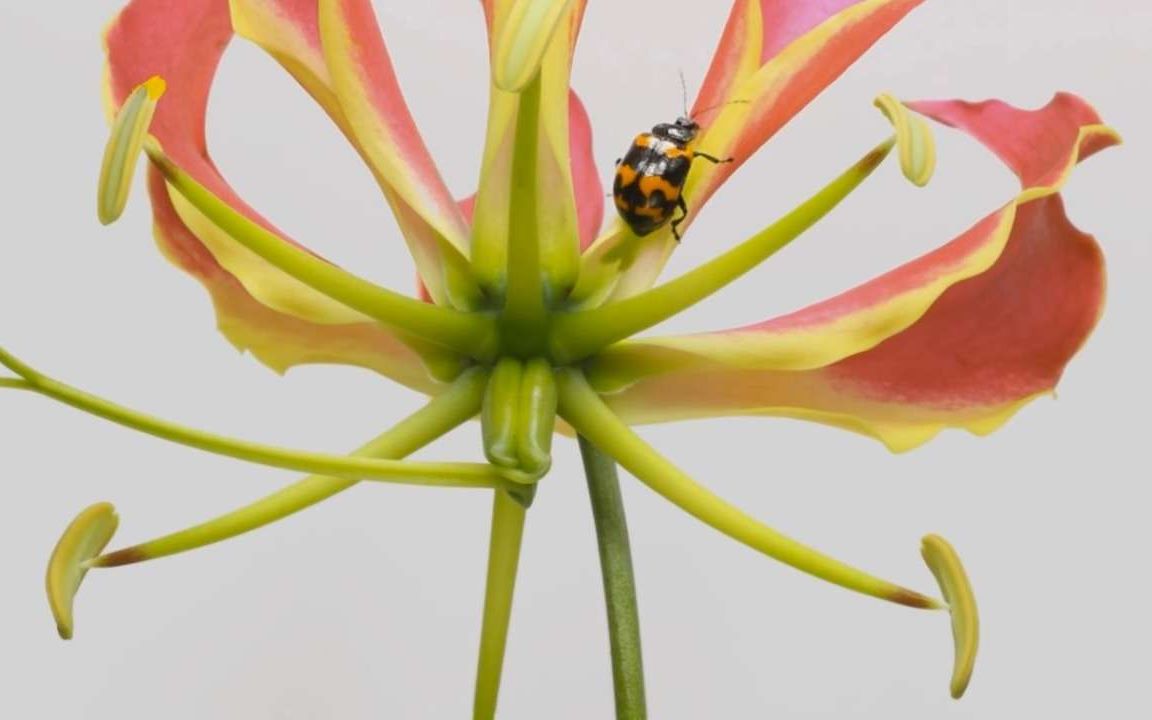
183 43
279 340
84 539
774 58
962 336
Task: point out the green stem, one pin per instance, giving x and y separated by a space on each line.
524 310
414 473
580 334
503 560
619 582
466 333
15 384
593 419
458 404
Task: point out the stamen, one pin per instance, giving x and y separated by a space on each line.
591 418
85 538
129 130
455 406
914 139
945 564
439 474
579 334
467 333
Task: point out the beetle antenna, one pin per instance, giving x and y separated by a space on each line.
728 102
684 93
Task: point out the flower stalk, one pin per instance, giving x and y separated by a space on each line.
619 582
504 543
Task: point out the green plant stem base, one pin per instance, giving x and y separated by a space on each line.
619 582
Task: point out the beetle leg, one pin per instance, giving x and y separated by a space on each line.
712 158
683 206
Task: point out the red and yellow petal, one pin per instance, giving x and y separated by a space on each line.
259 308
183 43
585 175
774 57
961 337
376 115
278 339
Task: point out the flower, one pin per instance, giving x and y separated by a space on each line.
528 314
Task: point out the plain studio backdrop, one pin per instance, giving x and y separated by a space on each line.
368 606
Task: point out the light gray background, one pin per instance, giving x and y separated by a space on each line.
369 605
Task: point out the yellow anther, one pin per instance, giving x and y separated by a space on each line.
914 139
84 539
944 563
129 131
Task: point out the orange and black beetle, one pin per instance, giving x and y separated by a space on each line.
650 177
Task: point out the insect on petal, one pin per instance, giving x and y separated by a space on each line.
912 352
774 57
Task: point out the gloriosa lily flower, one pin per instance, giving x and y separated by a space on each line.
528 312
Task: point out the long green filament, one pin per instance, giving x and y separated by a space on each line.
619 582
458 404
503 561
587 413
467 333
417 473
524 312
579 334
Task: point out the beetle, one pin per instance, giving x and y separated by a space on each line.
649 182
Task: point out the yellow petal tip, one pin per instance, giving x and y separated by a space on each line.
83 540
945 565
913 137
